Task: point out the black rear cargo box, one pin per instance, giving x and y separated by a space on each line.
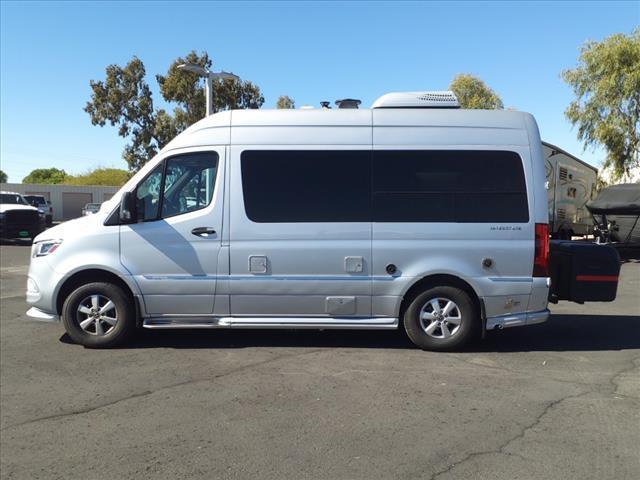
583 272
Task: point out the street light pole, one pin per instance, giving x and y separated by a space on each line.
208 94
209 76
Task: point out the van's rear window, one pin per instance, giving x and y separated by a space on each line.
463 186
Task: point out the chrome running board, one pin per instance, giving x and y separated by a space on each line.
166 322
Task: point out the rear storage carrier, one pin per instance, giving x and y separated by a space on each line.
583 272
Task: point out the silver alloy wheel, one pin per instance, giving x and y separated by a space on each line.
440 318
97 315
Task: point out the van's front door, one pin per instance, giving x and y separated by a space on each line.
172 251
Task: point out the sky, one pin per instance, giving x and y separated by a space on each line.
49 51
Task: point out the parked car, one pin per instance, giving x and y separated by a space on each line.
414 213
18 219
43 206
90 209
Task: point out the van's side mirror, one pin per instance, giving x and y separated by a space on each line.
128 208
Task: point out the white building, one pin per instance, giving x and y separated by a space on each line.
67 200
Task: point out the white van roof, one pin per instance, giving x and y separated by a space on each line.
216 129
363 116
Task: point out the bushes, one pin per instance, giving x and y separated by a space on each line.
114 177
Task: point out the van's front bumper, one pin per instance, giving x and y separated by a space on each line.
517 319
42 316
42 282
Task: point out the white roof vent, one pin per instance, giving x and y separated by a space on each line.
440 99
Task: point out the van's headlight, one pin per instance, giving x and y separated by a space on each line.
47 247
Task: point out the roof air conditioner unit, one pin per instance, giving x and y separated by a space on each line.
440 99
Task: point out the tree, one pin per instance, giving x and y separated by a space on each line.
187 90
124 99
474 93
100 176
46 176
3 177
285 101
606 109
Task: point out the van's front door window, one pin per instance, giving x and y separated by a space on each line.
187 186
148 195
189 183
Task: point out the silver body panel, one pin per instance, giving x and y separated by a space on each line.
310 275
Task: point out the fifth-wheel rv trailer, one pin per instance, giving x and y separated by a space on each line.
571 184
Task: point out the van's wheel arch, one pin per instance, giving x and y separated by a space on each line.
457 323
99 315
84 277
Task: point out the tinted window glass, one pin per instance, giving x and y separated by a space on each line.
12 199
448 186
148 195
307 186
189 183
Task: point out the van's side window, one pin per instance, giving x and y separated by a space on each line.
189 183
449 186
460 186
148 195
307 186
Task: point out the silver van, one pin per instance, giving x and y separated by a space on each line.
413 213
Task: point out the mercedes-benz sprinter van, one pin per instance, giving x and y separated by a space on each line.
413 213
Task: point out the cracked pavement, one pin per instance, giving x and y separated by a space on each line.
557 400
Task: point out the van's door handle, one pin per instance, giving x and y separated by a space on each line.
203 231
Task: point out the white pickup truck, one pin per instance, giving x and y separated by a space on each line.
18 219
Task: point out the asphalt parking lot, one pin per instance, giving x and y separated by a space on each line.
557 400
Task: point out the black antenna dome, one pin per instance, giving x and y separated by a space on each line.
348 103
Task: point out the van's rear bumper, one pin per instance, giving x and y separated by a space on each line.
517 319
42 316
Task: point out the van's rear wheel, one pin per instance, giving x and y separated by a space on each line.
98 315
441 318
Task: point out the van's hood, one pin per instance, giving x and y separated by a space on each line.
5 207
72 228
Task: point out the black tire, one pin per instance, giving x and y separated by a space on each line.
564 235
113 335
468 326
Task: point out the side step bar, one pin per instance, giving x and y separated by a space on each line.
383 323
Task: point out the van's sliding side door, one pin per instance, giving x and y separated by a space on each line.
300 231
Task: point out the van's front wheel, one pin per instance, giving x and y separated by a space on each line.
98 315
441 319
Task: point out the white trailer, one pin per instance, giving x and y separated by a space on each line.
571 184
